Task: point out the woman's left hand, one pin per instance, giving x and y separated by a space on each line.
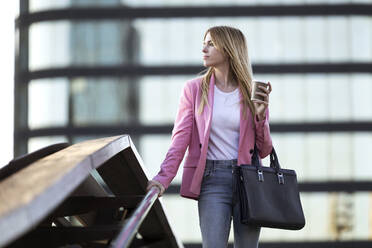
260 105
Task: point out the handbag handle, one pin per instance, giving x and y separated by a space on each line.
274 162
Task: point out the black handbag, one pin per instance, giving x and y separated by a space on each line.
269 196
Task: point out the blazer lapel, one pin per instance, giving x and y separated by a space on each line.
209 109
244 125
243 122
206 120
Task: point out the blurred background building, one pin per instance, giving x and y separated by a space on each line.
94 68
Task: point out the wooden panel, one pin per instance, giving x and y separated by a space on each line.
32 193
21 162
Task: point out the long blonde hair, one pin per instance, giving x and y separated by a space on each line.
231 43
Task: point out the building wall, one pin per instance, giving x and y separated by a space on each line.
296 97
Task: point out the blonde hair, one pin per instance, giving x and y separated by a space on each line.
231 43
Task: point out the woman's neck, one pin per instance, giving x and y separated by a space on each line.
223 78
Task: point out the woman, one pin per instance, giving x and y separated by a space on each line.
219 124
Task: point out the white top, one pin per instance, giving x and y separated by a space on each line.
224 133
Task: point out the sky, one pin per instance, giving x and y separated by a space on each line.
8 13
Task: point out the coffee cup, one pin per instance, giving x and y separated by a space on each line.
255 89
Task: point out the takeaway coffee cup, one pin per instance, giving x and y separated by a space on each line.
255 89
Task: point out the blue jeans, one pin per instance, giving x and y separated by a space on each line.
218 204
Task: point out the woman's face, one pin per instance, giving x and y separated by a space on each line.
211 56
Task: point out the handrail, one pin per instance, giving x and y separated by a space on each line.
131 227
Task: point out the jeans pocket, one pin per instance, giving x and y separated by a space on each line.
207 173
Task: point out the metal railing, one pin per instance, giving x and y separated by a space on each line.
130 229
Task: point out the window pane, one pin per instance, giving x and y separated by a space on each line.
65 43
104 101
48 103
153 41
361 38
319 97
40 5
49 45
160 98
270 39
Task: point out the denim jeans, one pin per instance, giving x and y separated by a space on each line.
218 204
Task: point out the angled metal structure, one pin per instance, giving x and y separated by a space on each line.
86 195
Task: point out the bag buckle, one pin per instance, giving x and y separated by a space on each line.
260 176
280 178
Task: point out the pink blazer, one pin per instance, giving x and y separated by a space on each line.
191 131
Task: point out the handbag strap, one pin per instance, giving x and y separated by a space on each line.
255 159
274 162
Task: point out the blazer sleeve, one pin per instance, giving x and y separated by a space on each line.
181 135
263 137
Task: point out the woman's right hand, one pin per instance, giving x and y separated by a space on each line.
154 183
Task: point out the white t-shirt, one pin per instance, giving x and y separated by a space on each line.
224 133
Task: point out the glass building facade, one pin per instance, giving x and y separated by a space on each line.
70 87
